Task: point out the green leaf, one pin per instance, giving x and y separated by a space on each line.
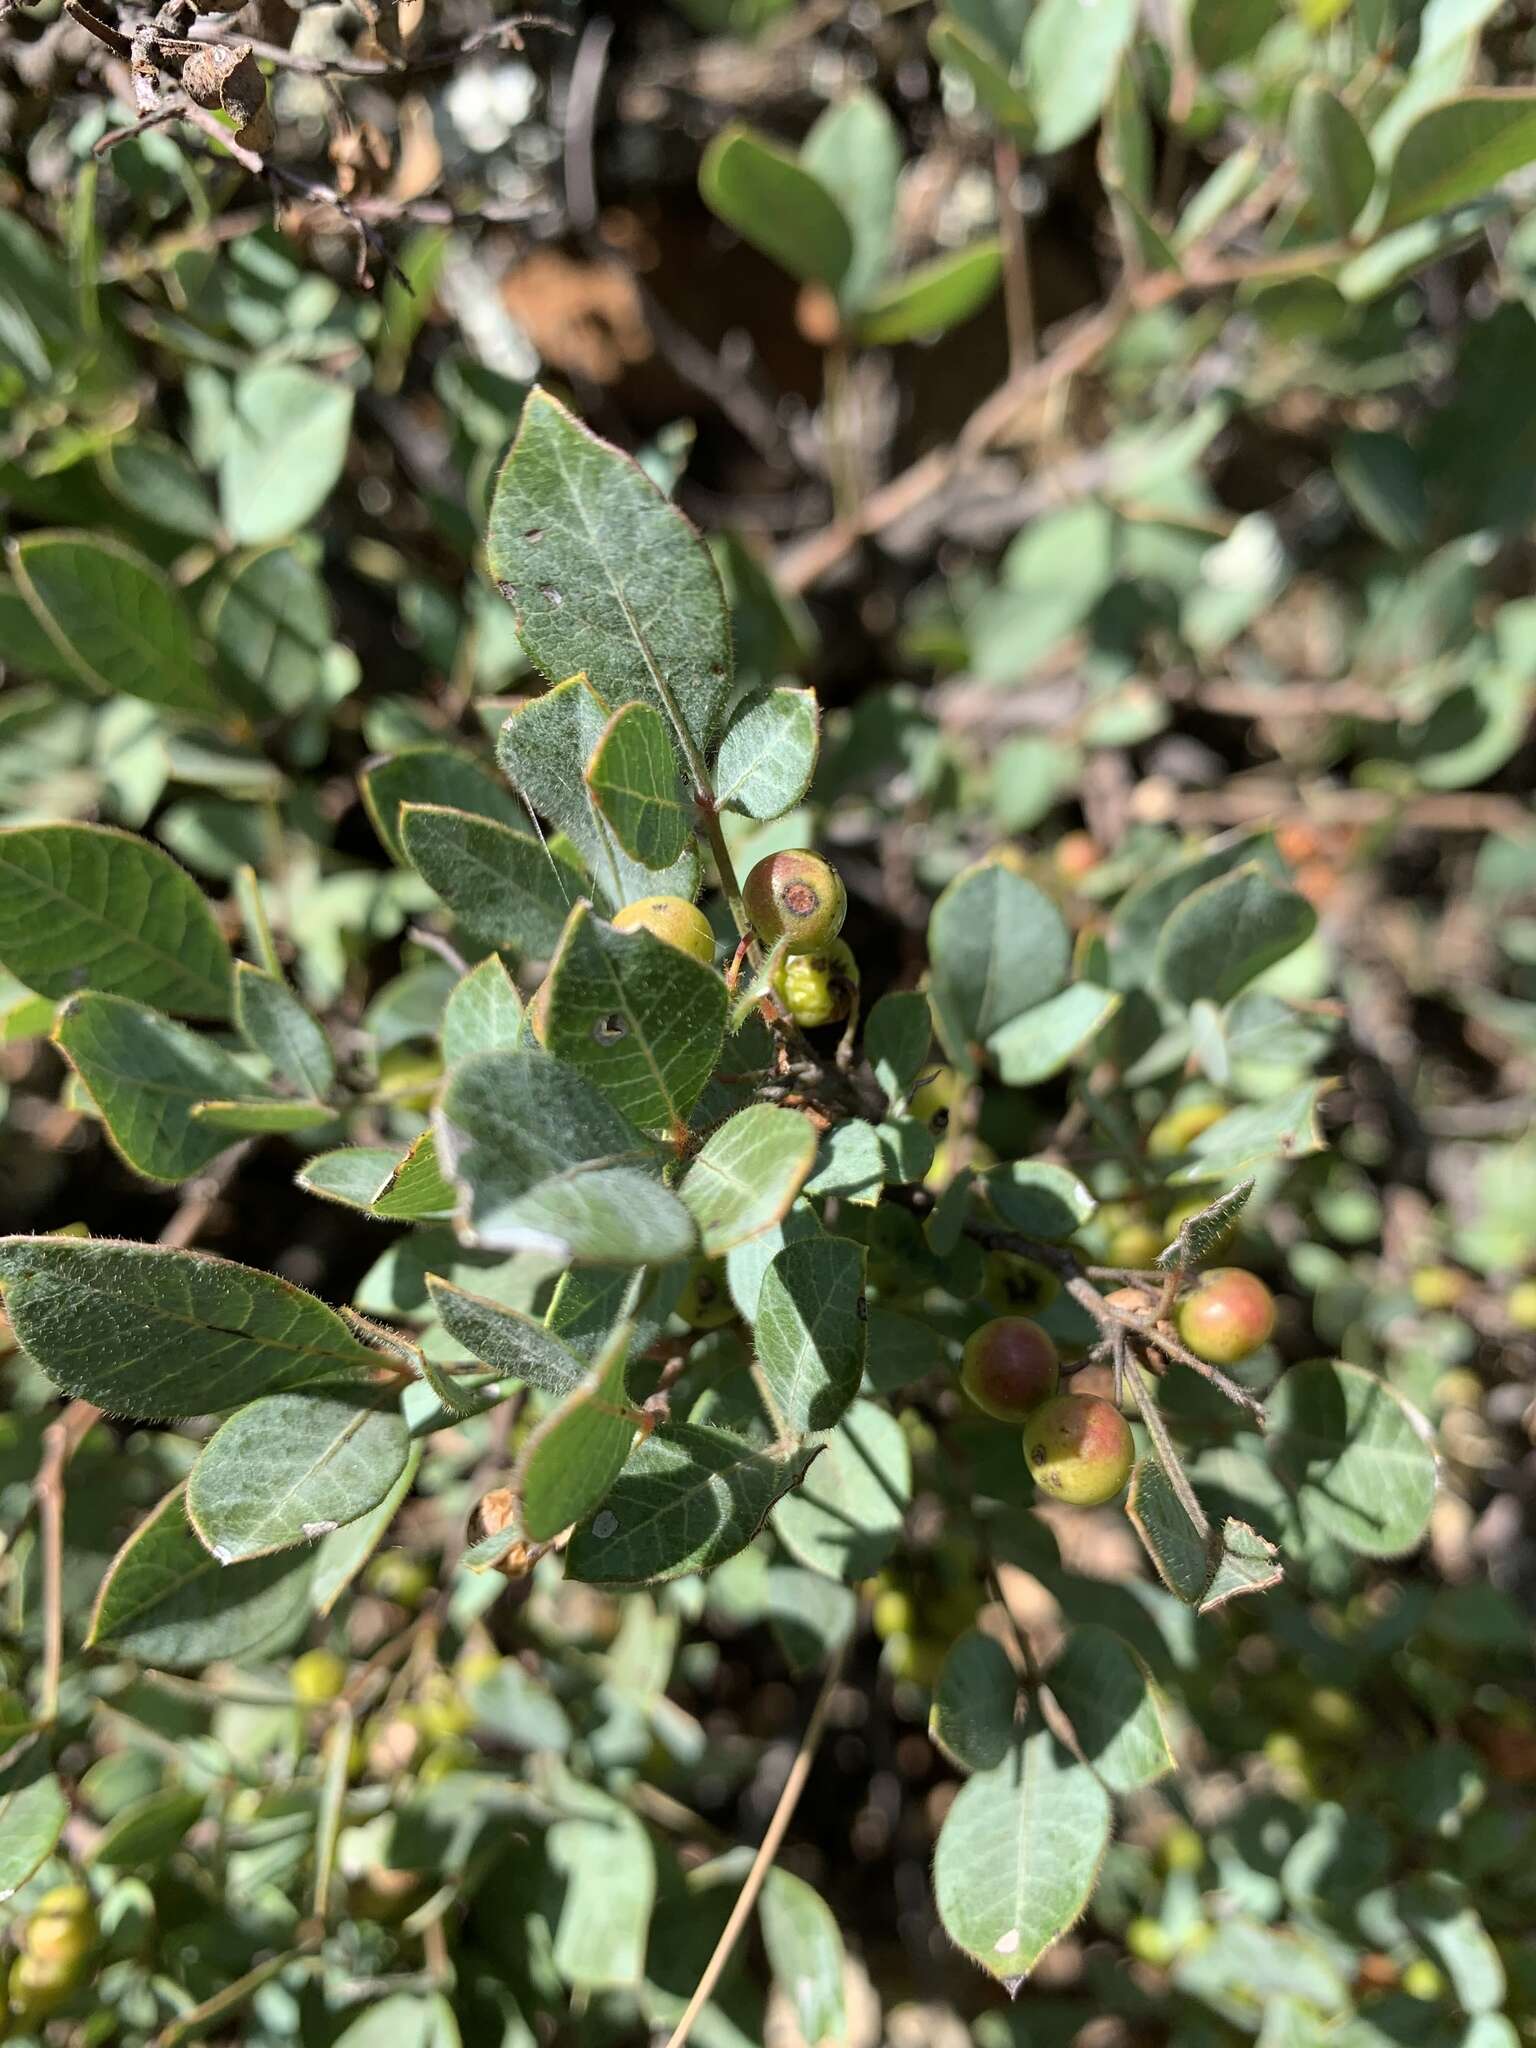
768 755
805 1954
1358 1462
342 1554
1104 1689
147 1331
933 297
446 777
403 1186
1445 1921
604 1856
1457 150
811 1616
270 616
542 748
1185 1559
762 191
1383 478
898 1037
1040 1042
1146 907
145 1074
1071 56
1037 1197
846 1519
1335 158
1249 1563
277 1025
810 1331
688 1499
1386 262
145 1833
641 1020
150 475
974 1703
1019 1853
292 1467
1201 1237
998 946
259 1115
166 1602
506 1340
1227 932
484 1013
1284 1128
634 783
286 447
747 1174
853 150
84 906
1223 32
503 885
605 575
954 43
33 1810
116 619
576 1453
544 1162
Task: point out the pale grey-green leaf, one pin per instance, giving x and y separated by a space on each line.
1358 1462
166 1602
805 1954
502 884
448 777
747 1174
285 450
1227 932
576 1453
634 782
84 906
484 1013
147 1331
509 1342
688 1499
1184 1557
277 1025
1040 1042
33 1810
642 1020
1019 1853
605 575
291 1467
845 1520
810 1331
998 946
768 755
1107 1695
975 1702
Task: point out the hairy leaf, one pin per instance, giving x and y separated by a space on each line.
634 783
810 1331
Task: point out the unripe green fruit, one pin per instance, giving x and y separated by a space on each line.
1227 1315
1181 1848
318 1677
797 897
892 1613
396 1575
1079 1449
1521 1305
705 1302
1009 1367
1438 1287
1017 1286
1136 1244
61 1931
1178 1130
1423 1980
818 988
917 1659
1149 1942
37 1988
675 921
931 1104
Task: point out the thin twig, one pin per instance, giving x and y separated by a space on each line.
497 34
762 1862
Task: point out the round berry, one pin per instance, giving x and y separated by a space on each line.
675 921
1136 1244
1009 1367
1521 1305
1075 855
795 897
1018 1286
62 1929
1079 1449
1226 1315
1438 1287
705 1302
818 988
318 1677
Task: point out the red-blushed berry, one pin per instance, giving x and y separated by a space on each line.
1079 1449
1226 1315
1009 1366
796 897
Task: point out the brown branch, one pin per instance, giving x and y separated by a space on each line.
499 34
762 1862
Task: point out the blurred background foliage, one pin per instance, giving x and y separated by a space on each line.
1105 514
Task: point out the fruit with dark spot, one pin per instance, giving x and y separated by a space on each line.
1009 1366
705 1302
797 898
1018 1286
1079 1449
1226 1315
818 988
675 921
